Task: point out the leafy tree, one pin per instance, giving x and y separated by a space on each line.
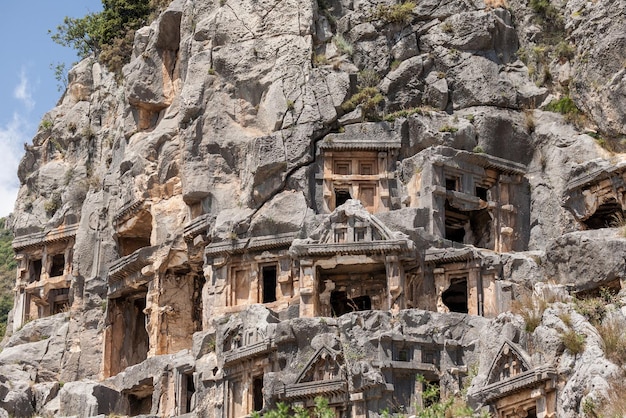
7 274
110 31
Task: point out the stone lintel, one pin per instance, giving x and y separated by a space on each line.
250 244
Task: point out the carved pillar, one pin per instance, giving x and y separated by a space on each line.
327 182
395 283
308 291
441 284
384 202
359 407
474 291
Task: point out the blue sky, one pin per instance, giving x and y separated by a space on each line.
28 88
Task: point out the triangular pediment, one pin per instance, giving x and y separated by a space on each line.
509 362
323 366
351 222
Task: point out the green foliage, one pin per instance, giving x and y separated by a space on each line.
478 149
367 78
398 13
60 75
573 341
45 125
595 308
368 98
282 410
7 274
531 310
435 407
448 128
53 204
548 14
404 113
614 341
343 45
107 34
565 106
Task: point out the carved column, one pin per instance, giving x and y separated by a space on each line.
474 291
441 284
307 289
395 283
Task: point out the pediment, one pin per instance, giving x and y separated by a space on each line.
510 361
351 222
324 365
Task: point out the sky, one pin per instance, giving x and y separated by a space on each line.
28 88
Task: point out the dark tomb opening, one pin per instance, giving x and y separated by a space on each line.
342 304
269 283
35 271
481 193
58 265
257 393
455 297
341 197
608 215
59 298
190 390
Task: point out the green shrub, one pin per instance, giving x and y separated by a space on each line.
368 98
53 204
614 341
478 150
448 128
573 342
404 113
367 78
397 13
531 310
343 45
565 106
107 34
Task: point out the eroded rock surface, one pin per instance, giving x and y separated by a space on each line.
288 199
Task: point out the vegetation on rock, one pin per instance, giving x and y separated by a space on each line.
107 34
7 274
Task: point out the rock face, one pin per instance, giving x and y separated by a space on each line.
282 200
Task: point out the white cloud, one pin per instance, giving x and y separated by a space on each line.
12 136
22 92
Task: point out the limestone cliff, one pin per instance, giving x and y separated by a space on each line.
287 199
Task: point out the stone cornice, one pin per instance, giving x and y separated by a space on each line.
251 244
130 264
516 383
128 209
197 226
595 176
238 354
312 389
381 247
62 233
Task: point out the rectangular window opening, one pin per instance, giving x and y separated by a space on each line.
269 283
35 271
58 265
481 193
452 184
257 393
190 390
